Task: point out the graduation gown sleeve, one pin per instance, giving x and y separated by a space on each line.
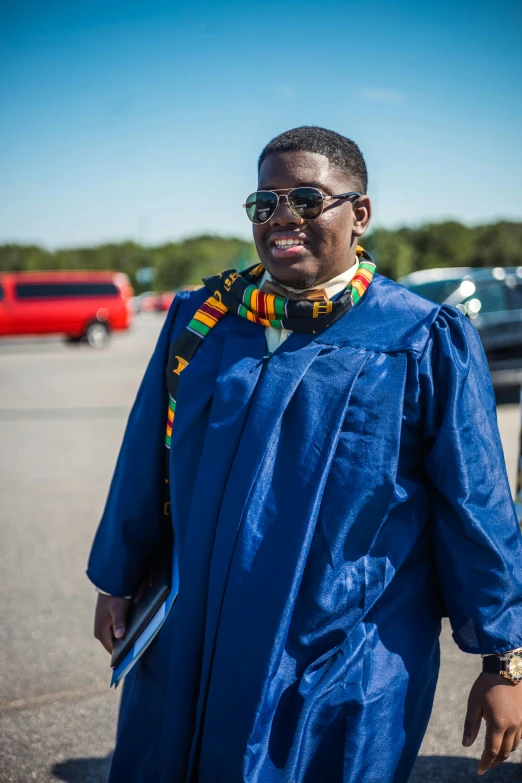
476 537
131 522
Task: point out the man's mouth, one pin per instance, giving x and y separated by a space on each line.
288 242
287 246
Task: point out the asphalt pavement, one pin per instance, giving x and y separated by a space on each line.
62 415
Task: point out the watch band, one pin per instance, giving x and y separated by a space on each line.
508 665
492 664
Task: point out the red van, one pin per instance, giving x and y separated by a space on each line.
76 304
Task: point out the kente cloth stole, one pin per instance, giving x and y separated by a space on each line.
238 293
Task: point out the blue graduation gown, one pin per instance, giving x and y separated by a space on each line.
329 504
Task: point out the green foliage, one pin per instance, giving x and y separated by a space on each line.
177 263
187 262
184 263
499 244
445 244
394 254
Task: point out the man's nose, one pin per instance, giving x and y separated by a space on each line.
283 216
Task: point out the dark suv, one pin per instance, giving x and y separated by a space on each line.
492 300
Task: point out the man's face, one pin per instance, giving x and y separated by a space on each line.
329 241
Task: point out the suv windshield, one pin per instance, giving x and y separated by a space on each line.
436 290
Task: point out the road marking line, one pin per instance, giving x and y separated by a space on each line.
64 414
46 698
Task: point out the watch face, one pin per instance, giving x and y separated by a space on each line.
515 667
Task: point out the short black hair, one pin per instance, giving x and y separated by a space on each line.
339 150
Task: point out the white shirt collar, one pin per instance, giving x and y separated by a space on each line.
333 286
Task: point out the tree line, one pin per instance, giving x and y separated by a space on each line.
177 264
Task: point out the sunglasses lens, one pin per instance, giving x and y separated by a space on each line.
306 202
261 205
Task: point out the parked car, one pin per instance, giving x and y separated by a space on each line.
152 301
492 299
138 303
79 305
163 301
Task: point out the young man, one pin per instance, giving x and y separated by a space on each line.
337 483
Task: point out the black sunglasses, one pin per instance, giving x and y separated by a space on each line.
305 203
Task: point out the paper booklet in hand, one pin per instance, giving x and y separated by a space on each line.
148 609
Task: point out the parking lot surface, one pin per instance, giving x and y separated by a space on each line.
62 415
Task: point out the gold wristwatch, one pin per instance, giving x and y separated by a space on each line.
508 665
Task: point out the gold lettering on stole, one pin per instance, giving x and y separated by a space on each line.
182 363
322 308
230 280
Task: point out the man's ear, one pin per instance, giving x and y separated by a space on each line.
362 214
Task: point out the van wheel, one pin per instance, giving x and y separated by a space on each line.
97 334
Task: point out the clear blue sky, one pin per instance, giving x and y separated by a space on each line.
125 119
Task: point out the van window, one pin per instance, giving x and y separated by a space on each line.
488 298
515 297
1 292
434 290
58 290
492 298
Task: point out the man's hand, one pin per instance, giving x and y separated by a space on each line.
499 702
110 619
